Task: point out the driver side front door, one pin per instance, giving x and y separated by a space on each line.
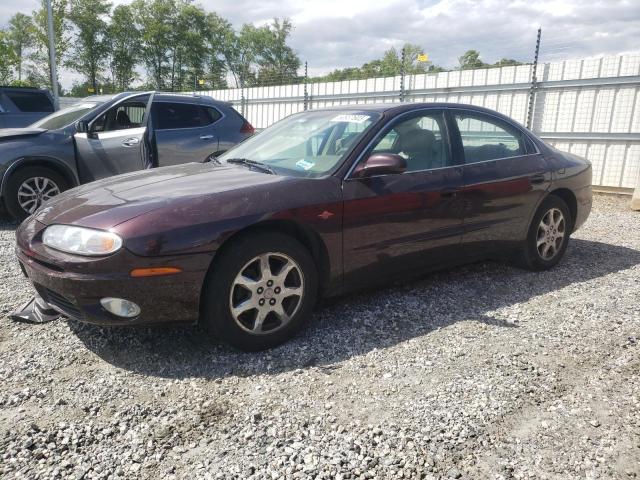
114 143
404 223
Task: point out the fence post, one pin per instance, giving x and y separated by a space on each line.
402 74
306 93
534 82
243 103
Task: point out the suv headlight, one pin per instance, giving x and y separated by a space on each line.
81 240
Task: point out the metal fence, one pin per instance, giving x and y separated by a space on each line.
590 107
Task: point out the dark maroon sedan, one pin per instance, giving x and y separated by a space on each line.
323 202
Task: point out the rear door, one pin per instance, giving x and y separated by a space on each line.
403 222
504 179
115 141
184 132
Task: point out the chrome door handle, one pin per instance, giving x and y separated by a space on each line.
206 137
130 142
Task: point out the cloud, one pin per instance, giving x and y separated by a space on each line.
339 33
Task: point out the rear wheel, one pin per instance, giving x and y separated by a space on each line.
260 292
548 235
29 187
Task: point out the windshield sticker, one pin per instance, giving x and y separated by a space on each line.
350 118
305 164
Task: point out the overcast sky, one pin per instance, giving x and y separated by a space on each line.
337 33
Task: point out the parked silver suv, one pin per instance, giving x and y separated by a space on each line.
103 136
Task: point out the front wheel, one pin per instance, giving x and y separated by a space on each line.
29 188
260 292
548 235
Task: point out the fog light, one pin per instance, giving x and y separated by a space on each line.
120 307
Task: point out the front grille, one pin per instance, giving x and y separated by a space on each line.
60 302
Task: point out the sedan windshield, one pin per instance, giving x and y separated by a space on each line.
308 144
66 116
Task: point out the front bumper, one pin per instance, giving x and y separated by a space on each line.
74 285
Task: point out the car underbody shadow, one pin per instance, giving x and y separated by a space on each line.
354 325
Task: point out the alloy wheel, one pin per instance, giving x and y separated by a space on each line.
34 191
551 234
266 293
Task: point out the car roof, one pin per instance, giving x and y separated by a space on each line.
385 107
400 107
162 96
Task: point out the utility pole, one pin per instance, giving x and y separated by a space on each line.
52 56
306 93
534 81
402 57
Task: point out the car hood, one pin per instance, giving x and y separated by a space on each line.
106 203
13 133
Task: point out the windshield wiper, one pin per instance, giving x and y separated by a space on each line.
252 163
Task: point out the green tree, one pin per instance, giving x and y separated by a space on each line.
470 60
260 55
39 72
239 55
507 62
217 33
190 49
21 38
277 62
123 40
90 47
389 65
155 19
8 58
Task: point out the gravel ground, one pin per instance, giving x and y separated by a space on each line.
485 371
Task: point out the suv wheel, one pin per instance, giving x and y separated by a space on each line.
28 188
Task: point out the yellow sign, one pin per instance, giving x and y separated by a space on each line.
91 90
201 81
423 57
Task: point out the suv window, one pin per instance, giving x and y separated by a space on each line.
129 114
183 115
30 101
420 140
484 138
211 114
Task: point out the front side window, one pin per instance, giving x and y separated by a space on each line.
125 115
308 144
420 140
485 138
183 115
66 116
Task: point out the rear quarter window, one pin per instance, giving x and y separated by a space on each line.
30 101
183 115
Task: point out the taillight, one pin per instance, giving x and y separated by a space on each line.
247 128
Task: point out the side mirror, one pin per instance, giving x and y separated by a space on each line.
83 126
381 164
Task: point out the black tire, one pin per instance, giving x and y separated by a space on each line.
532 256
217 302
18 178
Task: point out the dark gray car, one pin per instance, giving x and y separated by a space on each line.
21 106
103 136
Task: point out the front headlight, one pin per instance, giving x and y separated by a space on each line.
81 240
